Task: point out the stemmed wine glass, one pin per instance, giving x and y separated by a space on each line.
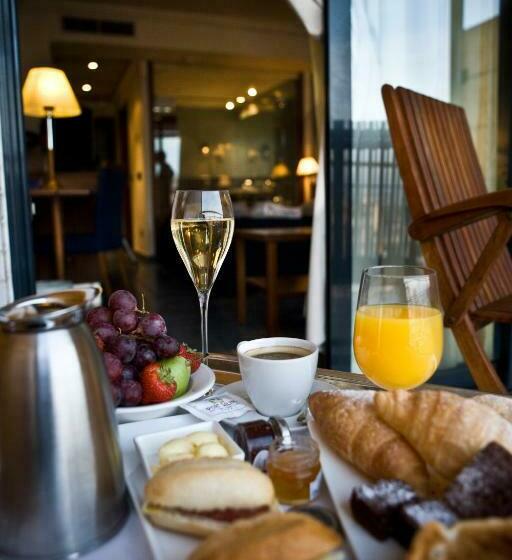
398 332
202 227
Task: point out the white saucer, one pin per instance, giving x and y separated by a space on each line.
238 389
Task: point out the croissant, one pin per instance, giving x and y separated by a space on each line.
475 539
445 429
348 423
501 405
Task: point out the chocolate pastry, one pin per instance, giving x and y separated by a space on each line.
484 487
375 506
412 517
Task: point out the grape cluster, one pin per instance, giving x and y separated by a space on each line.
130 339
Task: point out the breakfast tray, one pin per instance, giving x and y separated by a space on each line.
160 542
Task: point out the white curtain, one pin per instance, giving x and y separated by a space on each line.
311 14
6 292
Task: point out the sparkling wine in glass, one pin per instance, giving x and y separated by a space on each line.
398 332
202 227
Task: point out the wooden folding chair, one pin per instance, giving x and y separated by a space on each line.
462 228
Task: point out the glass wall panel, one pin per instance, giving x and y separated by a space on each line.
448 50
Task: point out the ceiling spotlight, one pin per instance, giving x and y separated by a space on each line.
252 92
230 105
92 65
240 99
205 149
86 87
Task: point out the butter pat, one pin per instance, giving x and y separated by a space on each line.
175 446
176 457
212 450
200 438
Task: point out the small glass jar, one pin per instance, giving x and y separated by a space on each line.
255 438
294 468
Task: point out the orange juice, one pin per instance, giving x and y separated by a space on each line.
398 346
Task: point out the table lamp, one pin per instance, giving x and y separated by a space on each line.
47 94
307 167
280 171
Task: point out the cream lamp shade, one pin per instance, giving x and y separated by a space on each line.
48 90
307 166
280 171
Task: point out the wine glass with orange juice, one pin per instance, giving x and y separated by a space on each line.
398 333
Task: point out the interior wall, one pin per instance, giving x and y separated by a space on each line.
133 93
237 148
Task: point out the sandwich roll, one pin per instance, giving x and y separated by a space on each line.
274 536
204 495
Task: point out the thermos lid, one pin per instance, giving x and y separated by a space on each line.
49 311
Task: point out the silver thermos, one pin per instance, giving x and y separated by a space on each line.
62 488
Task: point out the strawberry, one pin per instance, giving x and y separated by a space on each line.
193 357
163 381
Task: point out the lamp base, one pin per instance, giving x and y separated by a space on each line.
51 184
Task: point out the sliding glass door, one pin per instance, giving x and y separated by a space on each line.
446 49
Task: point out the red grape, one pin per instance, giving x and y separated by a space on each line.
132 393
106 332
117 393
166 346
152 325
113 366
129 373
124 348
99 343
144 356
97 316
125 321
122 299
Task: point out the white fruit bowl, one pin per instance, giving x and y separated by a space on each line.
200 383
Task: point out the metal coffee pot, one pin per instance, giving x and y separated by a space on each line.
62 489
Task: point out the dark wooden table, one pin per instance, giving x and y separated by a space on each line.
227 371
273 284
55 197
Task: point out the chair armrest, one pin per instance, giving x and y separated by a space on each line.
460 214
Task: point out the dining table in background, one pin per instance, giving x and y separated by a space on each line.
55 197
273 284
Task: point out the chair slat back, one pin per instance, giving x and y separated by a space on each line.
439 166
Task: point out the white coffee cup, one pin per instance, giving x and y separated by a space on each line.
277 387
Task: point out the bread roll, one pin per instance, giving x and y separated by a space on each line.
199 496
274 536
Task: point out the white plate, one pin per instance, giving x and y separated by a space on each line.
341 478
162 545
200 383
148 445
238 389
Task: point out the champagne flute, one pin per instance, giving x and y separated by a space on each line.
398 332
202 227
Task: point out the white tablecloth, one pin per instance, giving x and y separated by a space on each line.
130 543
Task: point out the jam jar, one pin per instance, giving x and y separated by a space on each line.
255 438
293 465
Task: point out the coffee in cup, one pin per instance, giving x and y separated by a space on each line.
278 373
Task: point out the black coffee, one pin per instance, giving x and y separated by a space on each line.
278 352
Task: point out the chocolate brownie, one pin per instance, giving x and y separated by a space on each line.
484 487
412 517
375 506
